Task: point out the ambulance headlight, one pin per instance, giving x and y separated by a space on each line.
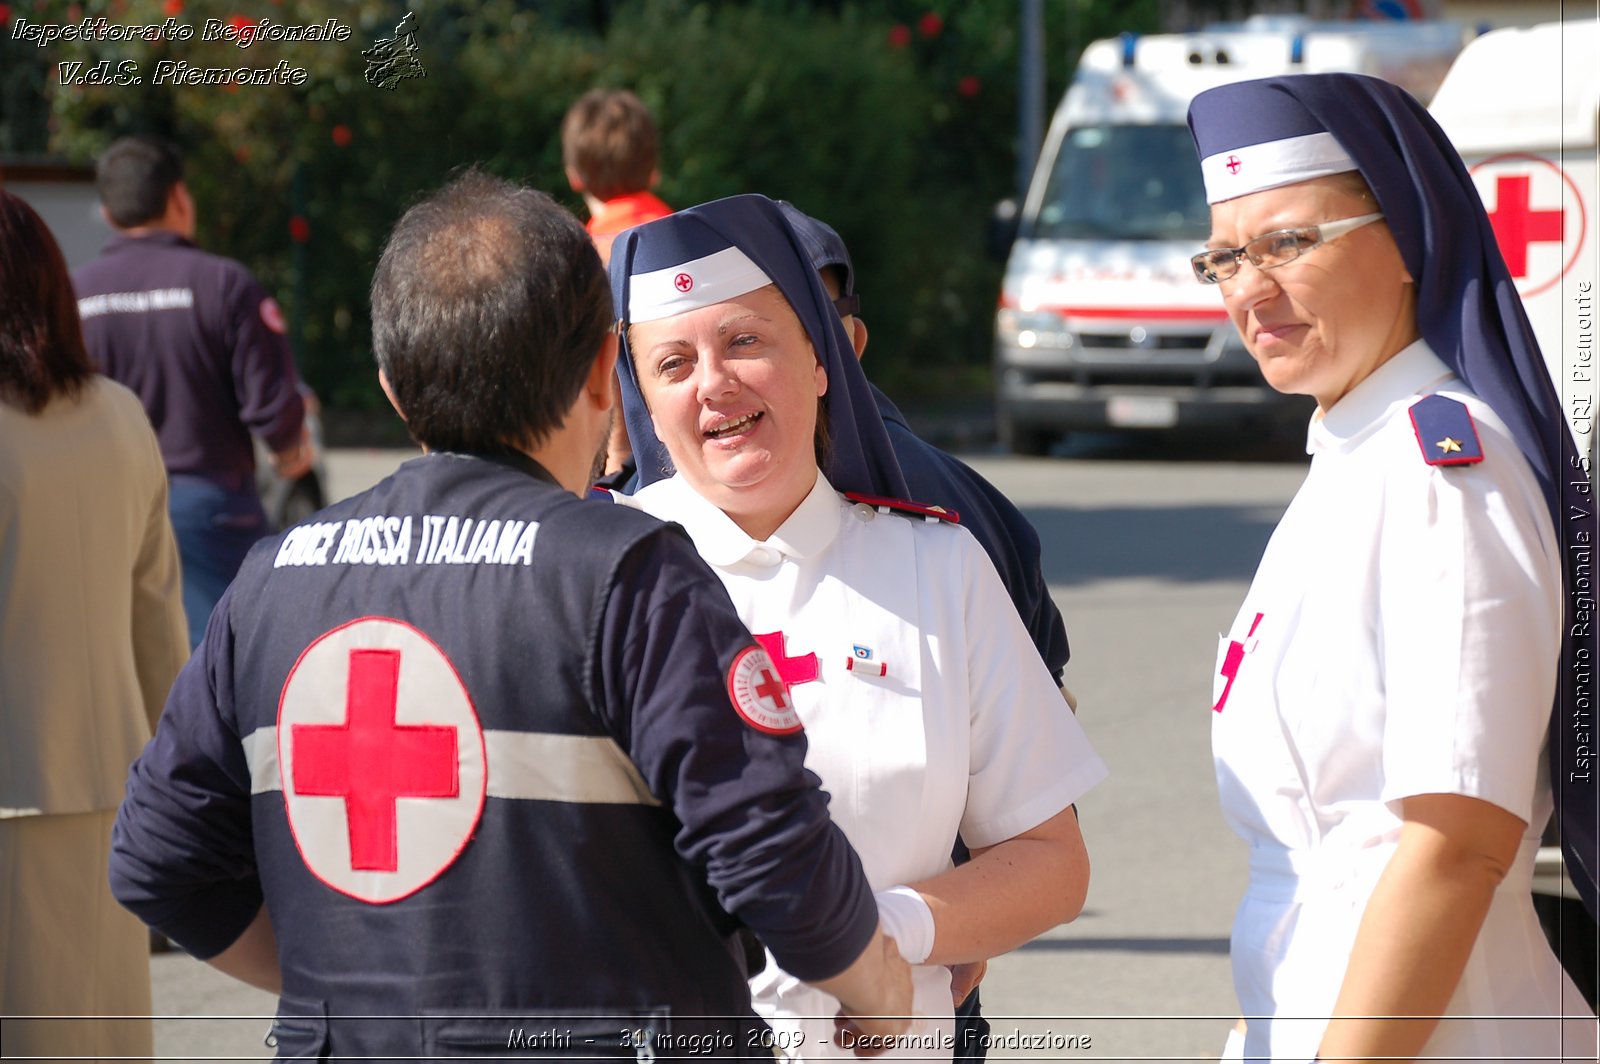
1032 329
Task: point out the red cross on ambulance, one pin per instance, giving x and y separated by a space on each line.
1538 217
382 758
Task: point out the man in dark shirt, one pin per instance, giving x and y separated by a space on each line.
203 346
467 763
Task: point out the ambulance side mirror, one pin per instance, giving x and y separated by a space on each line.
1004 223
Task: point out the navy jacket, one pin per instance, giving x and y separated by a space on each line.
203 347
473 741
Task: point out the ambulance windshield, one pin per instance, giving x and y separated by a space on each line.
1124 183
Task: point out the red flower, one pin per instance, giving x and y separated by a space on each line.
969 86
242 153
341 136
239 22
5 14
930 24
299 229
172 8
899 36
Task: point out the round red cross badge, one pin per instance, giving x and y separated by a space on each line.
272 316
759 694
683 282
382 759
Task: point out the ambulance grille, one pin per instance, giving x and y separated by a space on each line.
1158 342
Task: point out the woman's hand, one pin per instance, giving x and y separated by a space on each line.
1008 893
964 979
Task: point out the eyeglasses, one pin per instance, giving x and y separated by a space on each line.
1272 249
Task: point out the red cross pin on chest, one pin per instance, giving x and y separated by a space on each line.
1233 659
796 670
382 759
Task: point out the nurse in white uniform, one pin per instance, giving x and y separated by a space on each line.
889 639
1383 700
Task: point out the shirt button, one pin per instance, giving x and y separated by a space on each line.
763 556
864 512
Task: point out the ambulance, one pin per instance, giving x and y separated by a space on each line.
1101 323
1521 106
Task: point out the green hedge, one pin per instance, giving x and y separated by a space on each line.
893 121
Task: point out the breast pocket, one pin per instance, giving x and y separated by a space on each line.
300 1031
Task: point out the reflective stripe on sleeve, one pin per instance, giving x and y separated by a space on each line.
538 766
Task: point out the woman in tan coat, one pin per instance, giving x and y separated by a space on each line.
91 636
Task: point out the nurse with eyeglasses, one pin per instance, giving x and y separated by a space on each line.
1382 703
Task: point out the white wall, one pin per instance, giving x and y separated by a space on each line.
72 211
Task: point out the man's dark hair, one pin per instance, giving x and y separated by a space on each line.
134 176
609 140
489 306
41 339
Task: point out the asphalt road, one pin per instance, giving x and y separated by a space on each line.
1148 550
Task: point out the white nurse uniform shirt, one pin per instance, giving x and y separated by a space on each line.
1400 638
926 708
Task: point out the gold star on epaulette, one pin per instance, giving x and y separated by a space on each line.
1447 445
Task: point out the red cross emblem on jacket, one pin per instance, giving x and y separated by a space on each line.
382 759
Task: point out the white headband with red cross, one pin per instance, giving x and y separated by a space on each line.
717 277
1258 167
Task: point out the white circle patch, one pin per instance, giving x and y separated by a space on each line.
382 759
760 695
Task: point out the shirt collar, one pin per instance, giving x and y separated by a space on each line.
163 237
624 212
1414 371
807 532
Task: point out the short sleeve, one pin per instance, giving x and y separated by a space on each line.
1030 758
1470 619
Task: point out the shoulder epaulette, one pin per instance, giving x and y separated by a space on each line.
905 507
1445 431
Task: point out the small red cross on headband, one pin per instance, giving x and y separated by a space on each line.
683 282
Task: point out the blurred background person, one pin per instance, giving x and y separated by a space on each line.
204 347
610 149
1383 699
91 637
